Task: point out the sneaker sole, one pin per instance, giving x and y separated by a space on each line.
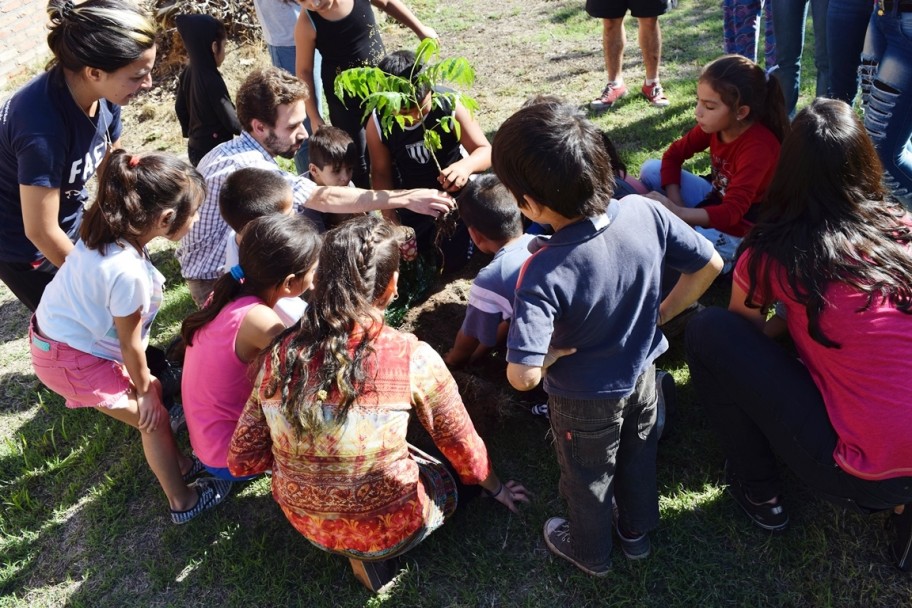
561 554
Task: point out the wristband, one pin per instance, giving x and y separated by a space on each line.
497 493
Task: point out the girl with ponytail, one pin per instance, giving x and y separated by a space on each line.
90 331
741 120
330 410
277 259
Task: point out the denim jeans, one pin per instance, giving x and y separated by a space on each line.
763 403
284 57
886 95
789 18
605 448
847 22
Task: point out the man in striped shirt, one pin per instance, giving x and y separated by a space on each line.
270 107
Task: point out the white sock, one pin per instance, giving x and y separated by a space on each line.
651 81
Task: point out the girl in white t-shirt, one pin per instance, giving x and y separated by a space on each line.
89 333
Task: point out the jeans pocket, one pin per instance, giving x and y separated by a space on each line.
595 448
647 420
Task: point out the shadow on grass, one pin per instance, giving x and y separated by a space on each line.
14 319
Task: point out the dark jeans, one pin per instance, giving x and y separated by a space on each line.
26 283
762 403
847 21
605 448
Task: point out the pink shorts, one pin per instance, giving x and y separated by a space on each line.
82 379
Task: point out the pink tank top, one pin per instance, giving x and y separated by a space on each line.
216 383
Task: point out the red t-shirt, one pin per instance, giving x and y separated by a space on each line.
741 172
866 384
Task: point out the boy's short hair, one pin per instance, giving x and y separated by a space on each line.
332 146
402 64
552 154
250 193
485 205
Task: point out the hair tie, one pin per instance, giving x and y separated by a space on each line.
134 161
66 11
237 273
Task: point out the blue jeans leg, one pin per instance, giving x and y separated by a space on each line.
789 17
847 22
605 448
694 189
886 89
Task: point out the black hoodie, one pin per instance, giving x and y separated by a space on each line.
203 105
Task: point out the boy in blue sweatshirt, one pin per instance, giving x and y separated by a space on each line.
588 309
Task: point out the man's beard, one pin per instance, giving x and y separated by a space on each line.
271 146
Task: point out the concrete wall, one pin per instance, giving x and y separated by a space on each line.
23 38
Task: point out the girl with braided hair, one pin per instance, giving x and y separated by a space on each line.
56 130
89 334
330 410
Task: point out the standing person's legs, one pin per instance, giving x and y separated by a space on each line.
886 91
819 9
739 27
614 39
847 22
650 38
789 17
769 37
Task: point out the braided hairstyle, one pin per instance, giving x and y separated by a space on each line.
134 191
103 34
327 356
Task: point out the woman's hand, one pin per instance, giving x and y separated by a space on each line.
509 493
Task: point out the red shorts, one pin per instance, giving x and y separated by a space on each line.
82 379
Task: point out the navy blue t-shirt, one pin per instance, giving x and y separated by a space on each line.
47 140
596 286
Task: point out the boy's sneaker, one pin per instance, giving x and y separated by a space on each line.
901 546
557 537
638 547
772 517
610 94
211 492
667 400
655 94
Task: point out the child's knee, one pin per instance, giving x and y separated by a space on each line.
650 174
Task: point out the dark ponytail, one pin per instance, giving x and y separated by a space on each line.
133 192
741 82
272 247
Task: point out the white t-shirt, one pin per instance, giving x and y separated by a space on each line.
91 288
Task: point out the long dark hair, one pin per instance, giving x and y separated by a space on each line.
272 247
741 82
133 192
826 218
316 361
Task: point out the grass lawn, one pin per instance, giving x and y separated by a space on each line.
84 523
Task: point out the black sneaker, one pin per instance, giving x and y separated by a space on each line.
902 545
772 517
557 537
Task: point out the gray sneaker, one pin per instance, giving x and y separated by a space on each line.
635 548
557 537
211 492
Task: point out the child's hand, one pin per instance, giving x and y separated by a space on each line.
453 178
427 32
661 198
509 494
151 409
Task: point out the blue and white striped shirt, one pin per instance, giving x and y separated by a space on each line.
202 251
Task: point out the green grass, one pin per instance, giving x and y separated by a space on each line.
83 522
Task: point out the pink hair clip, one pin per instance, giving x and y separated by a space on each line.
134 160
